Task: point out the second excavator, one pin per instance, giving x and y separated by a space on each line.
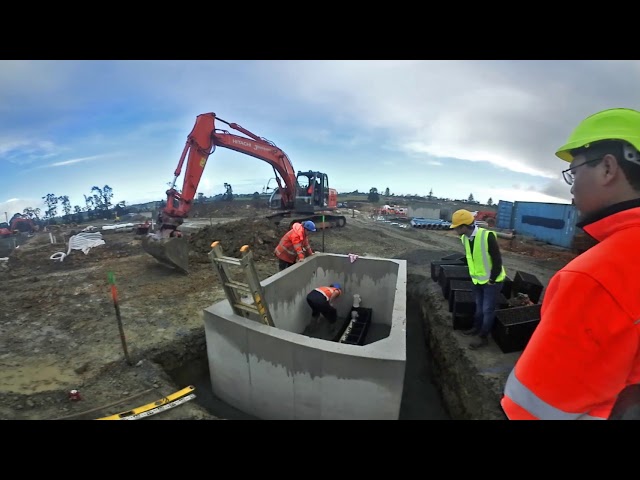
298 197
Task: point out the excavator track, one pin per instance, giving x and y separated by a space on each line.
322 221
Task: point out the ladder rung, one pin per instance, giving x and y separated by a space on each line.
229 260
238 286
248 308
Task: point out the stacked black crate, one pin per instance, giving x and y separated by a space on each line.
449 273
529 284
464 308
455 259
507 286
514 326
454 286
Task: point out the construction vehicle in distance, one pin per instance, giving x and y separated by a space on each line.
228 194
298 197
19 223
488 216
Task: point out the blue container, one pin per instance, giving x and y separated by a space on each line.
504 217
554 223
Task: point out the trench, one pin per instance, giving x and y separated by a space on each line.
421 399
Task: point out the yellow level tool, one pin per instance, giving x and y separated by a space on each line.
165 403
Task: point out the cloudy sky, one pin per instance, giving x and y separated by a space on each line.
487 128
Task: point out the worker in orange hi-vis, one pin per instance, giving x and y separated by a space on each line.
583 360
294 245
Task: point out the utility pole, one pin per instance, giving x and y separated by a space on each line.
6 217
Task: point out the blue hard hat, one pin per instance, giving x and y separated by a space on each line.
309 225
336 285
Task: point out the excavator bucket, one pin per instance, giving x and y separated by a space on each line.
173 252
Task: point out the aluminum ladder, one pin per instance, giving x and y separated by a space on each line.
234 289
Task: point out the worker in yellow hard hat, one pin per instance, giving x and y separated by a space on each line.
485 268
583 359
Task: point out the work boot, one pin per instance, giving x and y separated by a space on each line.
472 332
479 343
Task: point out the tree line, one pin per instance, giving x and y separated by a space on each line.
98 204
374 196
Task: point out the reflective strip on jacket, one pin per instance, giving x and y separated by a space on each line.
328 292
586 348
292 244
479 261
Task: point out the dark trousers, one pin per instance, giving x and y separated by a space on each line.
320 305
485 315
282 264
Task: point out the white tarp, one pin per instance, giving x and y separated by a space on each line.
83 241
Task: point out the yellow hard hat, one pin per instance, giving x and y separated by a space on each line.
461 217
611 124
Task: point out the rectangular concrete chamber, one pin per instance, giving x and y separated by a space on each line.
278 373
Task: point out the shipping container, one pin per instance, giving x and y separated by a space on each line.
554 223
505 215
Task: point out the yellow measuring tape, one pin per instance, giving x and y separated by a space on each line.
165 403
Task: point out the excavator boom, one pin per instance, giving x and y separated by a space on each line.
167 244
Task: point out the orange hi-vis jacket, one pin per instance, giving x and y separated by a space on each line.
585 350
328 292
292 244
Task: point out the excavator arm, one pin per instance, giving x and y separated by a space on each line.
165 244
201 143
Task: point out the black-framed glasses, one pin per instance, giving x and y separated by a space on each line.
568 174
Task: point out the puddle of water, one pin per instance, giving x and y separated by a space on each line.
29 379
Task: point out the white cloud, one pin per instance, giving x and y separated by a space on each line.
516 195
344 115
73 161
513 114
17 205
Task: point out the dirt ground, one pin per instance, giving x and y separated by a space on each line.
58 327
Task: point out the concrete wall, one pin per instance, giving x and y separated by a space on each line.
373 279
277 373
424 212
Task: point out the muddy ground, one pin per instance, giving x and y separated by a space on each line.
58 327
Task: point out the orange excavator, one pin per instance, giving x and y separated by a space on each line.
298 197
19 223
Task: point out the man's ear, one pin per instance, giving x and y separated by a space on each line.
610 169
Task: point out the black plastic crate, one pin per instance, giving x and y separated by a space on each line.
528 283
359 331
452 272
464 307
456 256
507 286
466 285
514 326
435 267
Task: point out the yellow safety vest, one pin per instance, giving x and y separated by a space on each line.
479 261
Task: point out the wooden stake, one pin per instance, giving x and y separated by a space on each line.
114 295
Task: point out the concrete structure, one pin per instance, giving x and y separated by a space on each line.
278 373
424 212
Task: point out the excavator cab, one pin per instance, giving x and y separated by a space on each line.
313 192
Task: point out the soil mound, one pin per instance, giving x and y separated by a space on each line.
261 235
